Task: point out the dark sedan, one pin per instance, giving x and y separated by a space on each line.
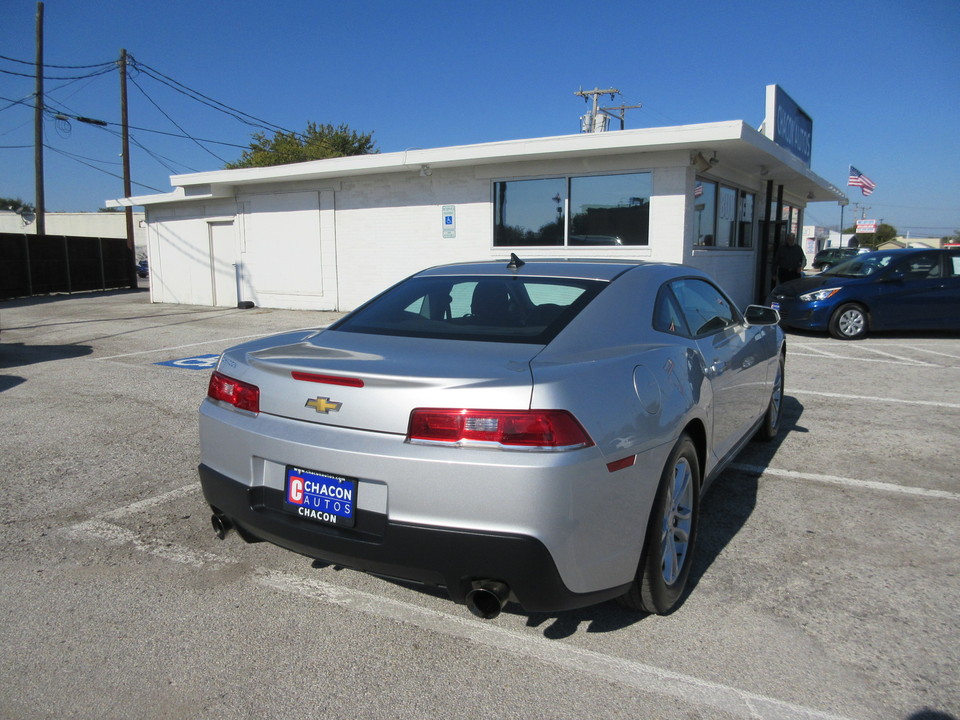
828 257
905 289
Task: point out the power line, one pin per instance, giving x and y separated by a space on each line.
206 100
176 124
52 114
105 172
239 115
67 67
58 77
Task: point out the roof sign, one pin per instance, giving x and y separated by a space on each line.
787 124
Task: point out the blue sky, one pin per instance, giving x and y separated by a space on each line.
881 81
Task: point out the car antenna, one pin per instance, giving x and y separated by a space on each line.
515 262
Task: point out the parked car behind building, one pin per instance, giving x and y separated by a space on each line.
828 257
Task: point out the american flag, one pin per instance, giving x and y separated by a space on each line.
698 190
858 179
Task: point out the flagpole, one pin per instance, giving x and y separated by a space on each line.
843 203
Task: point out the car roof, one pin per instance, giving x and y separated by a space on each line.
588 268
911 250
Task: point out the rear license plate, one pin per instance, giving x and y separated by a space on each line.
323 497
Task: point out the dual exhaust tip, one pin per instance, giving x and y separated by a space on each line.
486 599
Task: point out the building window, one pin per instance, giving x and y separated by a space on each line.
573 211
746 227
705 209
529 212
724 216
610 209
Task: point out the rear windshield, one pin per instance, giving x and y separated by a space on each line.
490 309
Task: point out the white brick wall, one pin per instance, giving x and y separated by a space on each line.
333 246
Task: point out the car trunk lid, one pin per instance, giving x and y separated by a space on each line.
372 382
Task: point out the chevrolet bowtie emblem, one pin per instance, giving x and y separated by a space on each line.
323 405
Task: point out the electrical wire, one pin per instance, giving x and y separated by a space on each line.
155 155
133 140
210 102
58 77
105 172
175 123
62 114
62 67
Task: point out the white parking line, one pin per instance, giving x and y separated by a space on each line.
895 401
819 351
857 350
919 348
848 482
151 502
640 676
895 357
912 363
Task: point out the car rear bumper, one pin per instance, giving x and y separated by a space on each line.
453 558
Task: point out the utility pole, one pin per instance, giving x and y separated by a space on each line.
38 129
125 149
621 114
596 110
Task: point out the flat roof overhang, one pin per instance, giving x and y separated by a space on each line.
738 146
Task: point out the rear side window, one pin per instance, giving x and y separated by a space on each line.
703 307
667 316
483 308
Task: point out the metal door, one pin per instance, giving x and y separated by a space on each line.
224 261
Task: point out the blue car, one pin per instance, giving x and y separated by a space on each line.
908 289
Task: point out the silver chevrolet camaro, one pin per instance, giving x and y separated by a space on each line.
539 432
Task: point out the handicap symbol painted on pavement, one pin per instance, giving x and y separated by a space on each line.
197 362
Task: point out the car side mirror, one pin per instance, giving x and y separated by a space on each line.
761 315
895 276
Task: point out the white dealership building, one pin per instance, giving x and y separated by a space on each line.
329 234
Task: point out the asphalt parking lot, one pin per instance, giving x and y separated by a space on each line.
825 586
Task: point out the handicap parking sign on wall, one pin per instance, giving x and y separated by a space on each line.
197 362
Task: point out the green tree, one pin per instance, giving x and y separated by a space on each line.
16 204
317 142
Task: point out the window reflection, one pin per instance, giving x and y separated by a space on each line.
726 217
604 210
723 216
610 209
529 212
745 221
705 207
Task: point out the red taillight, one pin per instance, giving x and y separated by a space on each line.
241 395
548 429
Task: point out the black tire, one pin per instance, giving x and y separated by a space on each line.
849 322
770 427
664 562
